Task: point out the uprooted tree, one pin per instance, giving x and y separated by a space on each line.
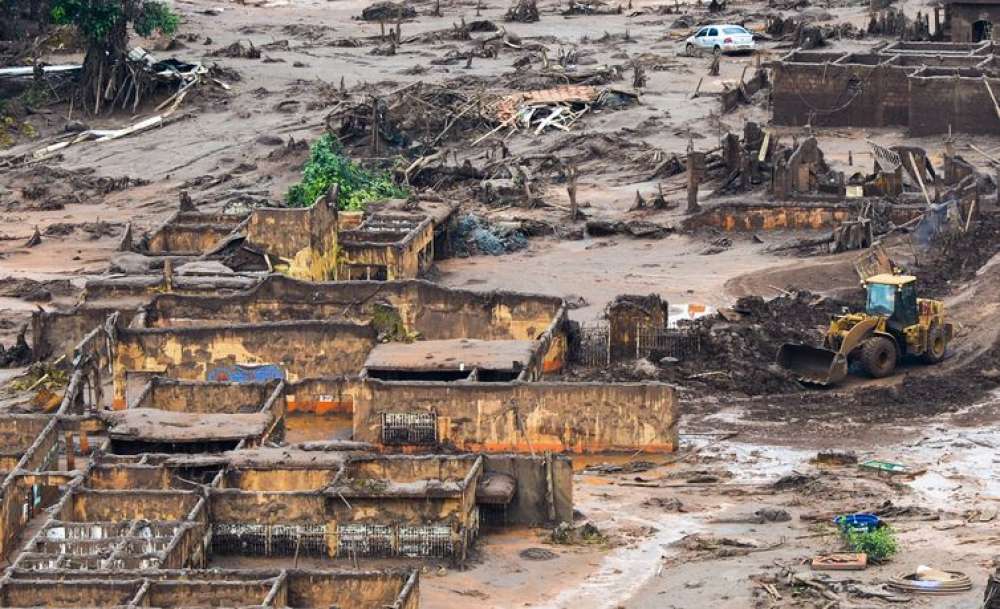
108 77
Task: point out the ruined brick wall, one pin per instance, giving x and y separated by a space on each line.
322 396
627 315
433 311
959 99
306 238
207 594
963 16
301 349
230 506
185 396
56 333
528 417
115 506
405 259
279 479
120 477
736 217
66 594
831 94
530 505
192 233
367 589
395 588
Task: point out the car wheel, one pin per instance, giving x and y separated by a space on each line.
717 50
878 357
937 344
689 49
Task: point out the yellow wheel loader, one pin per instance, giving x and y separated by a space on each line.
895 323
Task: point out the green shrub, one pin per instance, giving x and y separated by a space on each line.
97 19
879 544
327 166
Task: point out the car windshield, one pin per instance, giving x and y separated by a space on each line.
881 299
734 30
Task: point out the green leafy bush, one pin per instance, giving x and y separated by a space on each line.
327 166
153 17
879 544
97 19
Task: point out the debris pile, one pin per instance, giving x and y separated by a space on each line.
957 255
50 188
18 354
415 118
737 347
475 235
524 11
387 11
558 108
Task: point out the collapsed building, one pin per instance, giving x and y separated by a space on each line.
363 347
970 20
175 451
391 241
901 188
927 87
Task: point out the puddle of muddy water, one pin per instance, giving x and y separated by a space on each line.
625 570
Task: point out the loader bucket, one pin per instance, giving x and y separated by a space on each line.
813 364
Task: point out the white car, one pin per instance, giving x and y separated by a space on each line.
721 39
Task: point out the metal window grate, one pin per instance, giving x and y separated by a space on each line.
492 516
366 540
269 540
666 342
594 348
430 540
408 428
382 541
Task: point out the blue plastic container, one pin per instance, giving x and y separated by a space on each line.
858 522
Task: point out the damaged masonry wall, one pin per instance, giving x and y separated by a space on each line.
183 416
424 310
427 309
386 247
305 239
294 588
927 92
521 417
373 507
294 349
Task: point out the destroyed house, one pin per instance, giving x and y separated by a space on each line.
367 507
387 246
292 588
317 243
191 233
124 516
412 365
928 87
131 531
171 416
426 332
971 20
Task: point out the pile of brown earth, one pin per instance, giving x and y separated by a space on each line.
49 188
957 256
737 347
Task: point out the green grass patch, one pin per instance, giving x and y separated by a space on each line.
879 544
327 166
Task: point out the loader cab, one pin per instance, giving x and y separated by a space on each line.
893 296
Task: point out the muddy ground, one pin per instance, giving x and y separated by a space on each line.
668 536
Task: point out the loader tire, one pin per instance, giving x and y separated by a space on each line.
878 356
937 344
